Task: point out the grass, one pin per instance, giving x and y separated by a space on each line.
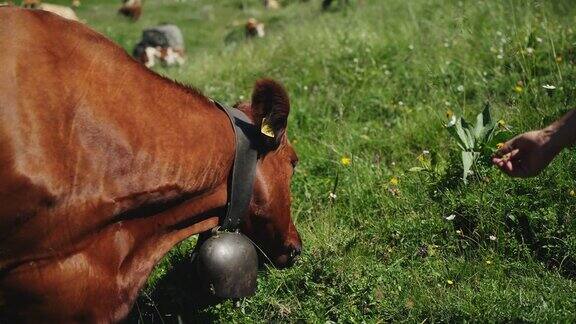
373 82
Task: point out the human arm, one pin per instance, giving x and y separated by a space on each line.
527 154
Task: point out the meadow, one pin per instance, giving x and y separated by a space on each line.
390 230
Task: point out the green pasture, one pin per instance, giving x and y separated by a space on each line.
371 84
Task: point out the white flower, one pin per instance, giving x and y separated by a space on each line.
539 40
492 238
450 218
460 88
446 45
500 56
549 87
529 50
411 47
305 88
332 195
425 152
400 103
241 97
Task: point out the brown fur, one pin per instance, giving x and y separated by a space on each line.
105 166
131 9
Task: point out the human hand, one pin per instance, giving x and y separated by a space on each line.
526 155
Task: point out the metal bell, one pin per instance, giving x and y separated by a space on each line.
228 265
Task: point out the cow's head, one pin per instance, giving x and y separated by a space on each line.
269 223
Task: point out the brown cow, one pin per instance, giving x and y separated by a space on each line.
104 166
131 9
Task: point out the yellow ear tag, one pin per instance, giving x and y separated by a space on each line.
266 129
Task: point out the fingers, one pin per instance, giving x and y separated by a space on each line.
505 149
511 163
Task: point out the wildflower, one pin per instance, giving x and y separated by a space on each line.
305 88
558 59
549 87
449 114
459 232
499 56
529 50
241 97
425 152
332 196
345 161
518 89
450 282
499 145
400 103
488 262
539 40
411 47
450 217
394 181
572 193
492 238
460 88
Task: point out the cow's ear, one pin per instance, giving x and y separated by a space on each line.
270 109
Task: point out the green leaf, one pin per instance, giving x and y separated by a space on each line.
452 131
463 130
485 127
468 160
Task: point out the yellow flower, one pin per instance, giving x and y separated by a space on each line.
572 193
449 114
394 181
558 58
450 282
501 123
518 89
499 145
345 161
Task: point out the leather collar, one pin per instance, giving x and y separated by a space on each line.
241 179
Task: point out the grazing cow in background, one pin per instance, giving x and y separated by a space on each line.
131 9
254 28
164 43
271 4
61 11
106 166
